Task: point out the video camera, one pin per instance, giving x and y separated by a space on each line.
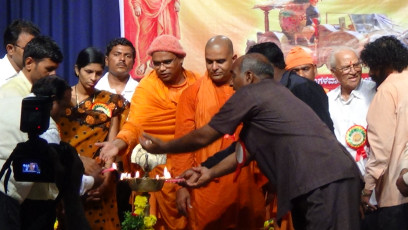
32 160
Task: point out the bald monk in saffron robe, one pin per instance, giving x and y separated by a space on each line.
153 110
222 204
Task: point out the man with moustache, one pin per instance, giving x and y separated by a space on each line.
120 58
206 208
153 110
301 62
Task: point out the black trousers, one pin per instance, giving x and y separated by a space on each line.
395 217
9 213
38 214
123 193
334 206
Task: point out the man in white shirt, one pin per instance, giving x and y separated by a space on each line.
349 102
16 36
41 58
348 105
120 58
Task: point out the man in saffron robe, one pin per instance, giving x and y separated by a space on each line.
153 110
222 204
314 176
152 18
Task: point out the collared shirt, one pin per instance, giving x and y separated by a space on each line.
17 86
127 93
6 70
387 120
346 114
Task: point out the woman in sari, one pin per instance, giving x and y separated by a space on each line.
94 116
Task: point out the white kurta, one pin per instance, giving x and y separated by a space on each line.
345 114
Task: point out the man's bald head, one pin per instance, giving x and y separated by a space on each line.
220 41
219 56
250 68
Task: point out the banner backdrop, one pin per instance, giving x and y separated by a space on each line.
318 26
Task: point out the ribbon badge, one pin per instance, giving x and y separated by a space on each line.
356 138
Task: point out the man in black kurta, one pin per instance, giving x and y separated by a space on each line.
306 90
314 175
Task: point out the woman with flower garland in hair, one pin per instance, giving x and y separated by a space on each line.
94 116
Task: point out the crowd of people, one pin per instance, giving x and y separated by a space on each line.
257 138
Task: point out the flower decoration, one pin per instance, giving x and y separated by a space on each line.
149 222
140 202
269 224
103 117
138 220
90 120
88 104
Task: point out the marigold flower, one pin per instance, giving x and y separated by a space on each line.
90 120
140 202
139 211
150 221
88 104
103 117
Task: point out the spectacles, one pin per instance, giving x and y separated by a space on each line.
20 46
166 63
357 67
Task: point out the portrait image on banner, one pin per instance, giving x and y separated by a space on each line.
144 20
318 26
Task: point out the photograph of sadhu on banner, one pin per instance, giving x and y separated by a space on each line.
316 25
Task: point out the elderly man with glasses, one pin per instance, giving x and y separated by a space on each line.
348 106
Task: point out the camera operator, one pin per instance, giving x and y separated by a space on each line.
38 210
40 58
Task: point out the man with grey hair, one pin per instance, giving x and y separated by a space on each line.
349 102
348 106
314 176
